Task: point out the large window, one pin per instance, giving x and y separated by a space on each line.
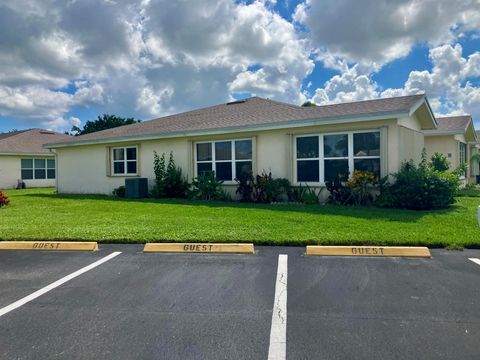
228 159
38 169
124 161
321 158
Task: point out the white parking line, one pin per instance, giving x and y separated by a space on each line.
278 331
55 284
475 260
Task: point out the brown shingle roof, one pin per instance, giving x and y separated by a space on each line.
251 112
29 141
453 123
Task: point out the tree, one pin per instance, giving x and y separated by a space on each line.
308 104
102 123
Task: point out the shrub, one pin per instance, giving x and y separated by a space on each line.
263 188
304 194
361 185
4 200
169 180
460 170
439 162
272 189
120 191
339 193
207 187
419 188
245 187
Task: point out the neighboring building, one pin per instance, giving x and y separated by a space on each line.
455 138
307 145
23 157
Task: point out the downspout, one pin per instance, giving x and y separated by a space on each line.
56 169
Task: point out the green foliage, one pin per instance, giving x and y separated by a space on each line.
120 191
245 186
185 220
263 188
460 170
470 190
169 179
361 185
420 188
102 123
339 193
4 200
475 157
308 104
439 162
207 187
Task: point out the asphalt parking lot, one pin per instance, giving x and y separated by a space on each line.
218 306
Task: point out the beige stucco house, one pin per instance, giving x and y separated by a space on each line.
455 137
307 145
23 157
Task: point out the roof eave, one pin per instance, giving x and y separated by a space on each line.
16 153
234 129
420 102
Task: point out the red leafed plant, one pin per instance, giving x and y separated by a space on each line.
4 200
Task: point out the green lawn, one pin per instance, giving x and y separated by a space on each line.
42 215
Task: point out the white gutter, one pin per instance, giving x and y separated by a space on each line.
233 129
25 154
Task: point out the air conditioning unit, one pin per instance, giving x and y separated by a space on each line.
136 188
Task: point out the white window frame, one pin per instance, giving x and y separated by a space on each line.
124 161
321 159
214 161
33 168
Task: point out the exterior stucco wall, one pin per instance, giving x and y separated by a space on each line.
10 172
411 144
85 169
446 145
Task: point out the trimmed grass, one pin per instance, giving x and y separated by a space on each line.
40 214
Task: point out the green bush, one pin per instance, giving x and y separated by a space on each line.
169 180
419 188
304 194
439 162
4 200
361 185
245 187
120 191
263 188
207 187
340 194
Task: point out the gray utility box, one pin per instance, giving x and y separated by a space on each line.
136 188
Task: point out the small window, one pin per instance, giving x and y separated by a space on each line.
27 169
366 144
335 152
228 159
124 161
38 169
51 169
307 147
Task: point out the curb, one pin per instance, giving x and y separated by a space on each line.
385 251
199 248
49 245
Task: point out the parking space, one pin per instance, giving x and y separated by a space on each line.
218 306
151 306
384 308
23 272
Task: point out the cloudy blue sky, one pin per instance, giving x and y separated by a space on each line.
64 62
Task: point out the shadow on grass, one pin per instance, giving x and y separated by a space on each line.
393 215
